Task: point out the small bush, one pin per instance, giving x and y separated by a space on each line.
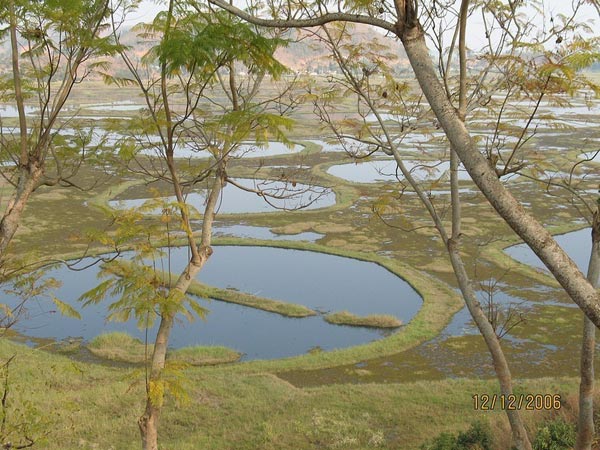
555 435
444 441
477 437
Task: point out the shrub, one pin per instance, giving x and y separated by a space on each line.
555 435
477 437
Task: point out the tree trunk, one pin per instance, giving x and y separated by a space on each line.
527 227
148 422
585 425
28 182
501 368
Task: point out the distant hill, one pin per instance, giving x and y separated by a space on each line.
307 54
304 54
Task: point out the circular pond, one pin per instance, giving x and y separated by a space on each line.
278 195
321 282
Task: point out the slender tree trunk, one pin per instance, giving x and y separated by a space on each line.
25 183
501 368
521 441
16 206
149 421
585 426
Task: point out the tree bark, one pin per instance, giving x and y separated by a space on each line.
585 424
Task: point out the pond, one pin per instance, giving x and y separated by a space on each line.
319 281
246 150
542 346
385 170
252 232
238 201
577 244
234 200
11 110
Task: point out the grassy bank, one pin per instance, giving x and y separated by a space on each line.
117 346
372 321
78 405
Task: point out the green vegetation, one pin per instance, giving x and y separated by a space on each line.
201 355
478 436
118 346
555 435
92 406
373 320
252 301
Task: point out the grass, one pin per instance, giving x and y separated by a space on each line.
373 320
76 405
252 301
201 355
118 346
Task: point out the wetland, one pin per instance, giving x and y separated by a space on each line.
338 253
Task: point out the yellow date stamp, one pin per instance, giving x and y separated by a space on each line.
529 402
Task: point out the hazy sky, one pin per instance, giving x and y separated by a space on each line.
148 10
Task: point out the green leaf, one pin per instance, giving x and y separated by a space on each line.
66 309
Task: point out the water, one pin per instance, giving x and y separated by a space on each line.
577 244
319 281
247 231
235 200
385 170
247 150
127 105
11 111
335 146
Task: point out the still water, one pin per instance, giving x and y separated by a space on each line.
577 244
386 170
278 195
319 281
